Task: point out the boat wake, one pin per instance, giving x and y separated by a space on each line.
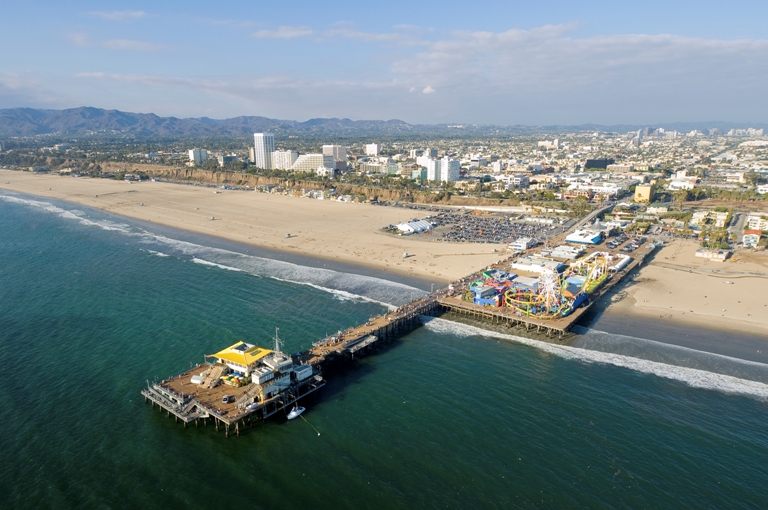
343 286
691 370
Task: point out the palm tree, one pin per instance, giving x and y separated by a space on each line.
681 196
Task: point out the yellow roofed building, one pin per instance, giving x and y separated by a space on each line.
242 357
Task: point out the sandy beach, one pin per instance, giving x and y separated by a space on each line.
342 232
676 287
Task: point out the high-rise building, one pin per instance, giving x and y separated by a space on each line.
449 169
339 154
283 160
415 153
430 153
372 149
311 162
263 147
433 169
227 160
198 156
443 170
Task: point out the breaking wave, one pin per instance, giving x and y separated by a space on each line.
343 286
696 377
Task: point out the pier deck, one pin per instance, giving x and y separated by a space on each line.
192 402
360 339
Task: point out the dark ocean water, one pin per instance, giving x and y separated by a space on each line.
451 416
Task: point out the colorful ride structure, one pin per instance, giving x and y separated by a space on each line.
545 300
549 296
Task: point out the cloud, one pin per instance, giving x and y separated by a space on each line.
29 89
284 32
82 40
545 59
227 22
118 15
348 31
544 75
78 39
127 44
277 96
412 28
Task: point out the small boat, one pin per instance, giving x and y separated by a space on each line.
295 412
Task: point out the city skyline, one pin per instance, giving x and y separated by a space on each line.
427 63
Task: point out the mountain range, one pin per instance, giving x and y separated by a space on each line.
82 120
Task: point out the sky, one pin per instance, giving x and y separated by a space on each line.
424 62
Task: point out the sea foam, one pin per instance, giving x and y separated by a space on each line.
343 286
693 377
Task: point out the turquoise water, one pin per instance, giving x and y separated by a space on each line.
450 416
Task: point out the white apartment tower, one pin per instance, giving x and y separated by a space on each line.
283 160
263 147
198 156
339 154
449 169
372 149
433 168
311 162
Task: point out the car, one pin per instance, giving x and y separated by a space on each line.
226 399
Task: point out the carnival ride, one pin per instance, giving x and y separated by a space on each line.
549 296
556 295
544 300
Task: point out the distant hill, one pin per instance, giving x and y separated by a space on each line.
31 122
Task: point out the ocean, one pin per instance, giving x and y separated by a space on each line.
93 306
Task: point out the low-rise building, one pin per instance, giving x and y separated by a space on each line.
715 218
522 244
751 238
757 221
584 237
644 193
657 208
716 255
536 264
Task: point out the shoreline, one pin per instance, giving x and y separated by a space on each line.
334 232
678 290
666 319
211 241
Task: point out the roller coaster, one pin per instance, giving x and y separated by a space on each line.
550 296
557 295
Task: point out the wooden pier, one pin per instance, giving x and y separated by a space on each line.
360 340
190 402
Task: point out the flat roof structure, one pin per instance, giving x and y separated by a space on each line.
584 237
241 356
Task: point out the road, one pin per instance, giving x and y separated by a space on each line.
736 227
